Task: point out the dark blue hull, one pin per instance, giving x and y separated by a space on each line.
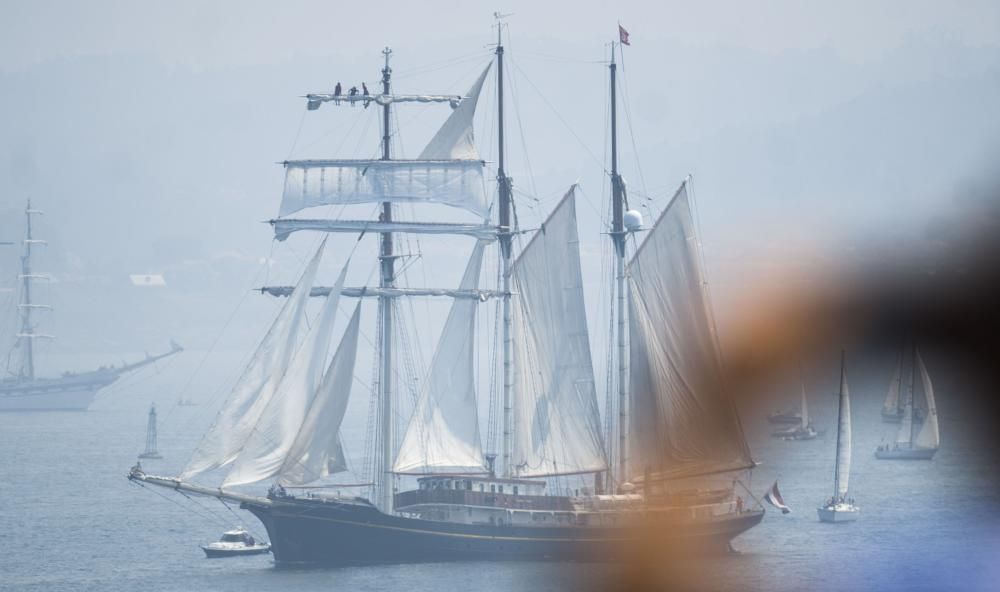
332 533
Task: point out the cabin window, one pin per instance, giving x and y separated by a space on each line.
468 485
501 489
515 490
482 487
493 488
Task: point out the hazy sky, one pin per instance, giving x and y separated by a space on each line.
148 132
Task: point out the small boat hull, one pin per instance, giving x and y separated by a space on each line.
218 553
838 513
905 453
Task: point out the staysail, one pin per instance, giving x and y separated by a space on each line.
929 436
443 433
255 387
275 432
682 420
556 425
905 432
316 451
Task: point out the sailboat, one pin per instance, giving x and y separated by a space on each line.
893 409
20 388
805 429
913 443
151 451
840 507
677 429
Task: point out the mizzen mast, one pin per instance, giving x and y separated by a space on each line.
618 239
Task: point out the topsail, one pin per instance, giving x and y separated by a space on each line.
682 420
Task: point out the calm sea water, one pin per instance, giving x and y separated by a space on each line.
70 520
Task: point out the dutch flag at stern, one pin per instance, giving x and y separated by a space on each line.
774 498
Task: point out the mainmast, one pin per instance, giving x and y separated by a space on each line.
387 260
618 239
505 234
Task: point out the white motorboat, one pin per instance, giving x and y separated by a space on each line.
235 543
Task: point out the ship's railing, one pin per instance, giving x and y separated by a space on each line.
482 498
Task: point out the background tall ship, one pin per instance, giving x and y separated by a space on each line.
21 389
560 485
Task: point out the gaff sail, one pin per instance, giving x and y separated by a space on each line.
683 421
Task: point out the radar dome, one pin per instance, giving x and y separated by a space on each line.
632 220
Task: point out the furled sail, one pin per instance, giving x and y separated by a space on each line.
457 183
255 387
683 421
844 439
891 404
455 138
556 425
316 451
275 432
929 436
443 432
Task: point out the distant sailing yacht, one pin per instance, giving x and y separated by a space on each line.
20 389
893 408
151 451
282 420
913 443
841 508
805 429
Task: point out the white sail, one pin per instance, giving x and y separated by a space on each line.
928 437
682 420
556 426
805 408
892 397
316 451
844 439
457 183
443 432
905 432
273 435
455 138
255 387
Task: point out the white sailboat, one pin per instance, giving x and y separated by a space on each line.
840 507
912 443
805 429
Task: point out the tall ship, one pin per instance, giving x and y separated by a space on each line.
20 388
560 483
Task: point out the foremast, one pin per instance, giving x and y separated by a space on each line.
384 482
